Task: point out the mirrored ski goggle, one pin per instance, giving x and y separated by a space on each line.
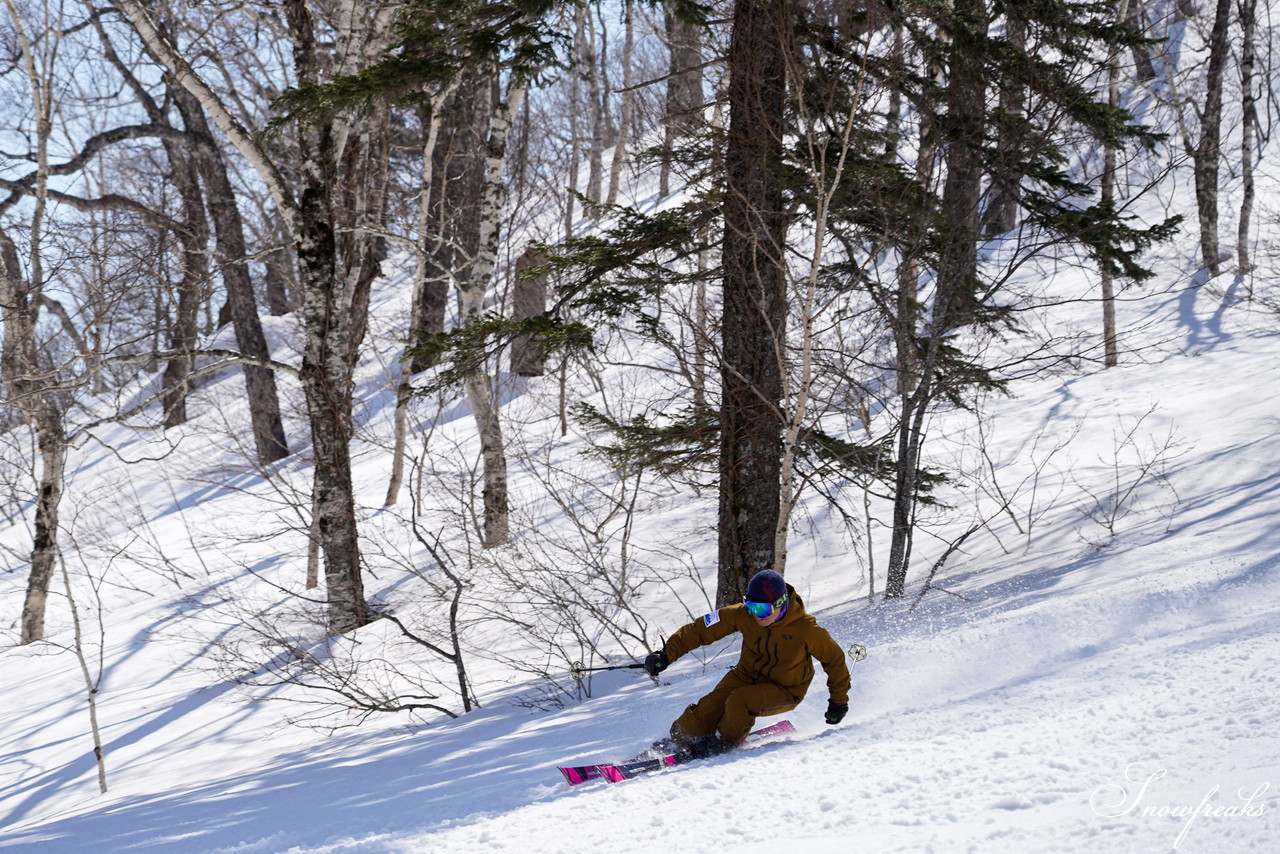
761 610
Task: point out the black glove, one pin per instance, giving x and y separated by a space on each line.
836 711
656 662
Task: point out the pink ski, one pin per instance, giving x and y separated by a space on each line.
615 773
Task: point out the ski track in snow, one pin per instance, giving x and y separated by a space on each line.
1016 766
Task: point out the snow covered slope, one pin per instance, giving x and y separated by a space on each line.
1083 695
1095 672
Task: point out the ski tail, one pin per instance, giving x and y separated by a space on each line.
576 775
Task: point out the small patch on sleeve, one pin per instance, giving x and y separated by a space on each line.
711 619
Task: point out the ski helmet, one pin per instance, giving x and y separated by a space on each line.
766 586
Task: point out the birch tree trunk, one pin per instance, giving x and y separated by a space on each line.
628 105
333 220
1208 151
471 293
1248 134
92 680
30 391
257 156
426 311
1111 355
30 388
589 65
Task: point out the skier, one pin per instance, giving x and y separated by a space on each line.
773 671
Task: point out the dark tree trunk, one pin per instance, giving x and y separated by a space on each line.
452 238
326 377
194 238
241 309
1208 151
685 100
334 219
44 546
754 311
530 301
961 133
910 439
280 281
1001 213
260 382
1144 67
341 209
904 320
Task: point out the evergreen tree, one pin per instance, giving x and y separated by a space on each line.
976 148
905 138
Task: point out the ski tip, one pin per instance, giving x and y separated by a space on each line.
779 728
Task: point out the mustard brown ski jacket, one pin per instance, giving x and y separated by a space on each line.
781 653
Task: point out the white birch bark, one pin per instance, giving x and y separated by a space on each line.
596 95
796 394
28 386
627 109
92 682
419 283
236 132
1248 136
335 283
471 294
1111 355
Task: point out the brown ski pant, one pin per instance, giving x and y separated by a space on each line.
732 708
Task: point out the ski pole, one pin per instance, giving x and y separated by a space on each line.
577 671
857 652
